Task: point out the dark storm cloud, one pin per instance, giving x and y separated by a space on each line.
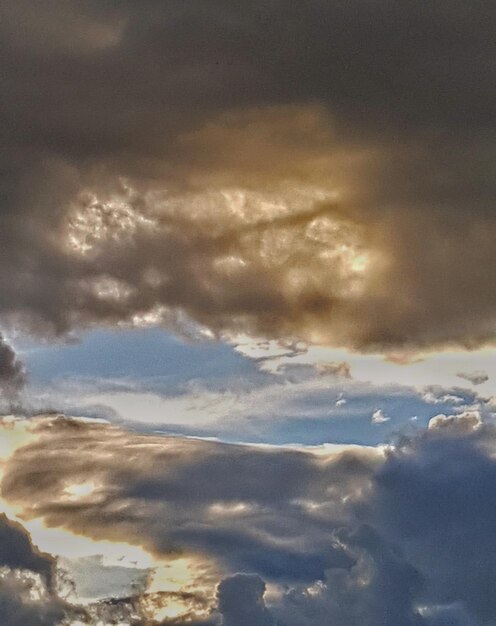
391 104
423 503
241 603
17 610
12 372
360 538
27 581
18 552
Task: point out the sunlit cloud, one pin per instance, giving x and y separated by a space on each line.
347 501
249 247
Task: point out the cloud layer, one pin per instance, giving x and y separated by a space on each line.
366 537
320 171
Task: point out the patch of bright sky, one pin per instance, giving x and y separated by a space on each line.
250 391
442 368
308 412
96 580
135 354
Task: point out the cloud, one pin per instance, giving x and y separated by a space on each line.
241 603
378 417
18 552
17 606
380 588
27 580
464 422
12 372
271 169
35 587
366 537
476 378
204 491
339 370
450 615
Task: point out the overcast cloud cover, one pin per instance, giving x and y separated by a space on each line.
319 169
298 199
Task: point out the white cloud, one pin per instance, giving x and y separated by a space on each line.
378 417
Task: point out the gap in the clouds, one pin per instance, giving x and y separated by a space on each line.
154 381
135 354
307 420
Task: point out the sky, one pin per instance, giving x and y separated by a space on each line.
247 313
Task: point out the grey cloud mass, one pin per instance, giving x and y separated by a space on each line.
12 373
27 580
367 537
476 378
311 170
18 552
241 603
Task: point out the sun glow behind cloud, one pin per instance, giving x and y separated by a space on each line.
178 585
290 236
302 195
170 581
18 432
